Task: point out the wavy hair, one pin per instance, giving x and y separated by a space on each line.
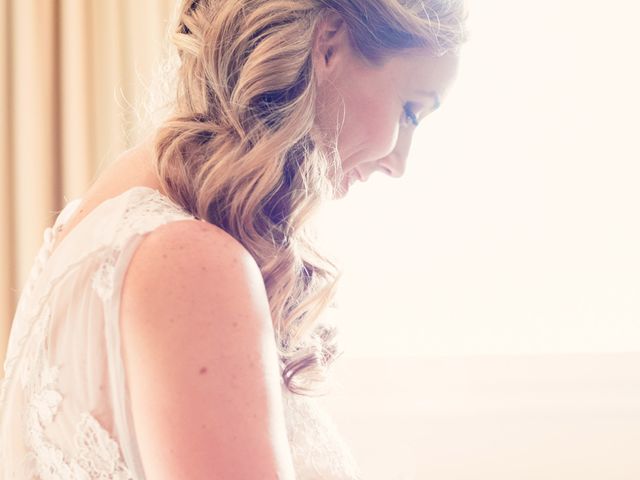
239 147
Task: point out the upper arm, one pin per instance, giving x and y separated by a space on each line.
200 357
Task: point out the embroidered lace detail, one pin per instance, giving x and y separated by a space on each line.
44 458
25 319
317 449
139 217
316 444
103 279
99 454
20 330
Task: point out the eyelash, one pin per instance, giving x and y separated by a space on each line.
408 114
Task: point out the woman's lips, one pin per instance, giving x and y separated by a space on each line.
351 177
355 174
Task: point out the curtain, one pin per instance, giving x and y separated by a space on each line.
74 78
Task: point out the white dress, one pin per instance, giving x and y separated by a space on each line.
64 411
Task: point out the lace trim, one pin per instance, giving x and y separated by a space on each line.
22 327
22 324
316 444
24 319
102 281
139 217
98 455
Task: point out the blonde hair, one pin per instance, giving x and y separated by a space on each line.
240 150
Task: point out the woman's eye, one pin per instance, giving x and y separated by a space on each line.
409 115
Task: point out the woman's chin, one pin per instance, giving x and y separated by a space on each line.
345 185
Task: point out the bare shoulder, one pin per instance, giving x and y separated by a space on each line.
192 267
196 247
200 358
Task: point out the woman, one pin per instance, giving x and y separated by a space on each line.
171 325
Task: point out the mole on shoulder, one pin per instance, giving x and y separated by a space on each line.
203 370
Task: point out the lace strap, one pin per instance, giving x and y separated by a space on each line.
146 210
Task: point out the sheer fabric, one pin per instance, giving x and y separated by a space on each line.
64 402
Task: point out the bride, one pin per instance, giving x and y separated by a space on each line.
171 327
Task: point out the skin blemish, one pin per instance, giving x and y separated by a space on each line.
203 370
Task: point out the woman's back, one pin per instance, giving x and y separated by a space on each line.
66 401
264 92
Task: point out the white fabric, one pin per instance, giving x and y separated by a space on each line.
64 411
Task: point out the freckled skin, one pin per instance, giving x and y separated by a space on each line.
371 139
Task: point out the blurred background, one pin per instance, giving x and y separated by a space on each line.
490 301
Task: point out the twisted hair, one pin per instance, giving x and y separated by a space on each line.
240 149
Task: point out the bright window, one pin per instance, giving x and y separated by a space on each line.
516 228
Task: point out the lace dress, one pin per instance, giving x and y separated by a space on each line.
64 411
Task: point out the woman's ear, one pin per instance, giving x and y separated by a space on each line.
330 44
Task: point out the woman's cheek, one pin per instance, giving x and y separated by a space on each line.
384 139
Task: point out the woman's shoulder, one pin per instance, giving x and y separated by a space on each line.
191 244
198 342
194 262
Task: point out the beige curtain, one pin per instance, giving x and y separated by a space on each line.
73 75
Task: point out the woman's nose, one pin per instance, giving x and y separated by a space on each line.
395 163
